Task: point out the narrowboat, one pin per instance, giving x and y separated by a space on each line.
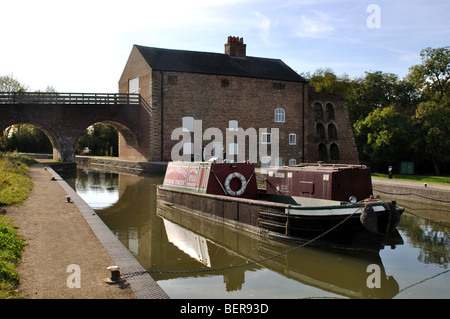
311 202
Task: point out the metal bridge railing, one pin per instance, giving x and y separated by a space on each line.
69 98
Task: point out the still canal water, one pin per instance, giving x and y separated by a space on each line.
195 258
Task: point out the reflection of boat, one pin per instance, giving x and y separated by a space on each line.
300 203
330 271
192 244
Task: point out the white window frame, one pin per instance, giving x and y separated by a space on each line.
280 115
266 138
292 139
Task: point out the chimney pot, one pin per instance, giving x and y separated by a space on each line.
236 47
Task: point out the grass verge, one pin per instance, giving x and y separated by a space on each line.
11 247
15 187
15 184
443 180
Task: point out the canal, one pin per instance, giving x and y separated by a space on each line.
191 257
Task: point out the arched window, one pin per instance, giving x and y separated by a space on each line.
318 111
323 153
279 115
334 152
332 132
320 131
329 108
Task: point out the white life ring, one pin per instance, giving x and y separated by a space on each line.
228 181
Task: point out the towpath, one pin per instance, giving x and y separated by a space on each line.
57 237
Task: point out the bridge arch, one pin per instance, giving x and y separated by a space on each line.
128 140
48 131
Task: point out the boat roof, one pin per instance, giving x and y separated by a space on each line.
320 167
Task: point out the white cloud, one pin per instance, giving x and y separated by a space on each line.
315 25
265 25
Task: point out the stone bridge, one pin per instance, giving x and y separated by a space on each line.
63 117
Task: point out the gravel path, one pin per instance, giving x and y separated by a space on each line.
62 251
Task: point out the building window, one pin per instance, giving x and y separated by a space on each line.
329 108
172 79
318 111
332 132
266 138
278 86
334 152
279 115
292 139
233 125
320 132
133 86
292 162
224 83
323 153
188 124
266 161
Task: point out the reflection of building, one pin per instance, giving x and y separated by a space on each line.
232 90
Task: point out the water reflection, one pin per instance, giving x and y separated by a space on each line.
192 257
335 272
99 189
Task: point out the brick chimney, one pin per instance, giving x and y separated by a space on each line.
236 47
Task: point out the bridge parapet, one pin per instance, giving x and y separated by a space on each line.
70 98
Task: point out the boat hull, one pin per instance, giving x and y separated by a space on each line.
338 225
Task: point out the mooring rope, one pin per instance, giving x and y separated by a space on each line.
427 219
412 194
423 280
401 290
128 275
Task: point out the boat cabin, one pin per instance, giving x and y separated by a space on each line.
322 181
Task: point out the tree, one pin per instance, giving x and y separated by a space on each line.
10 84
433 75
375 91
25 138
432 122
325 80
99 138
383 137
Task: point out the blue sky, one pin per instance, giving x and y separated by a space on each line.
82 46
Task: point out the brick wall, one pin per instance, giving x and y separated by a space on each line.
329 129
217 99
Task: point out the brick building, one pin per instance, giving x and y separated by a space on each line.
232 90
